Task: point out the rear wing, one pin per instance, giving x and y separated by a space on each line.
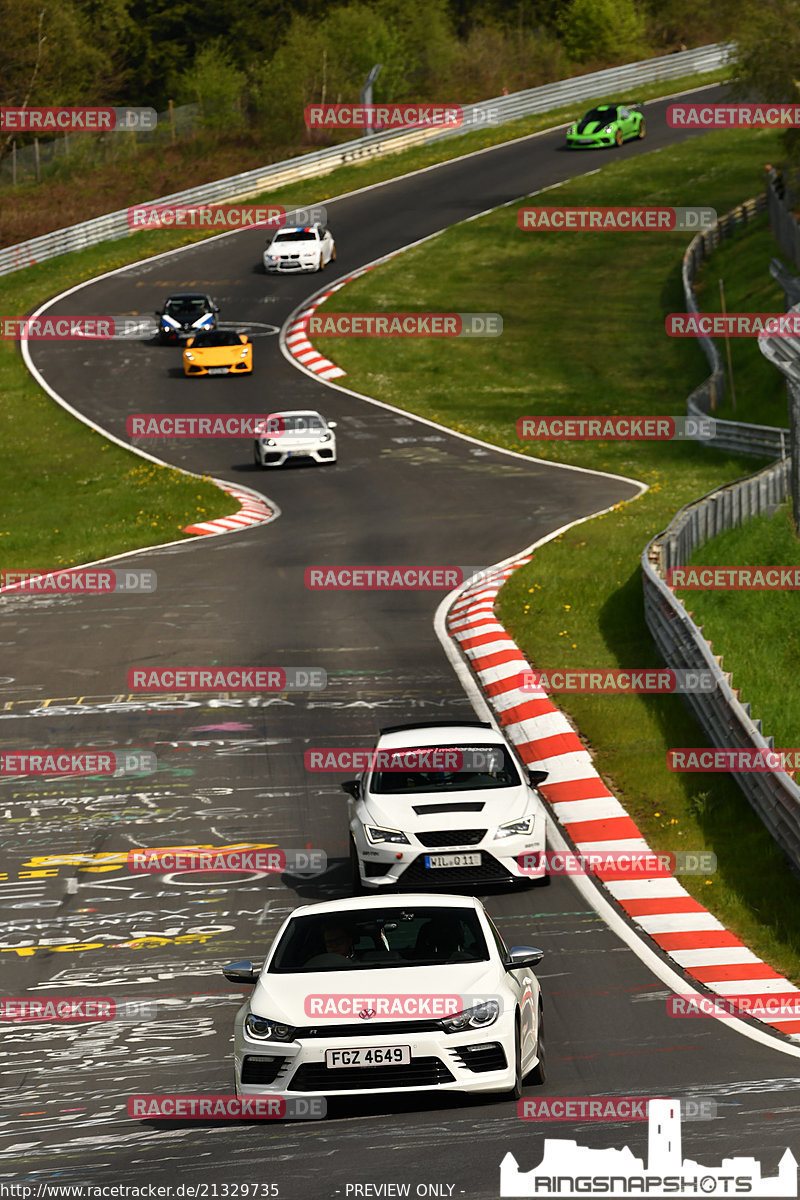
633 104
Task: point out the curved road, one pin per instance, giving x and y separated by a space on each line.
232 770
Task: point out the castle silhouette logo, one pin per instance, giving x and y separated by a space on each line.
568 1169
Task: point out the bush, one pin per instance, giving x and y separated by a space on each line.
611 30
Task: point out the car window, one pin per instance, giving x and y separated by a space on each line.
191 304
216 337
390 937
502 949
624 112
295 235
475 768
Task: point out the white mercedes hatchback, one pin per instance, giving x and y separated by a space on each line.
389 994
445 803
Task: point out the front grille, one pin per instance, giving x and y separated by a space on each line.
366 1029
452 837
261 1069
489 871
482 1058
420 1072
375 868
272 456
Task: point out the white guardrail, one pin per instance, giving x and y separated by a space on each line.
499 110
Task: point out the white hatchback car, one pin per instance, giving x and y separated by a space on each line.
297 434
355 961
464 820
301 248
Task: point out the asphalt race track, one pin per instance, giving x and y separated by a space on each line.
232 770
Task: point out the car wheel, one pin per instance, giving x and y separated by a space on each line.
539 1073
618 137
321 266
642 128
256 457
515 1093
333 254
355 871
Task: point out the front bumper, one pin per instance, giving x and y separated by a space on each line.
479 1061
274 456
381 868
290 266
241 366
583 143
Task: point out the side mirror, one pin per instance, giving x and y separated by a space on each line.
158 313
352 787
241 972
537 777
332 424
523 956
189 342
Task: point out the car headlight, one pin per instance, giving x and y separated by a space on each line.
268 442
243 351
188 354
376 835
264 1030
518 828
477 1017
608 129
325 437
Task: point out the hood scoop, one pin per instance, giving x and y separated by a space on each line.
453 807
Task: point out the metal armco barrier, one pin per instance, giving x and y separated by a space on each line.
783 221
725 720
501 109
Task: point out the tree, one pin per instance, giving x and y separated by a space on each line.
768 60
610 30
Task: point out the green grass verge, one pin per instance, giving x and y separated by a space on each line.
96 499
584 333
742 263
756 632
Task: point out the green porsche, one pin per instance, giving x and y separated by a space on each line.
607 125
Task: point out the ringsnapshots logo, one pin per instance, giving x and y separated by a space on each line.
734 579
230 679
733 325
619 864
390 579
607 1108
223 216
411 325
618 681
78 582
226 1108
77 762
617 219
616 429
733 116
203 425
733 759
354 758
76 119
227 861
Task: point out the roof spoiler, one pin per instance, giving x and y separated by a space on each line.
434 725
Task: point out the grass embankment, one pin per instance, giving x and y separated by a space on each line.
584 333
78 192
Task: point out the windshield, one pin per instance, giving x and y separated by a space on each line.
277 424
473 768
295 235
381 937
186 304
216 337
600 116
